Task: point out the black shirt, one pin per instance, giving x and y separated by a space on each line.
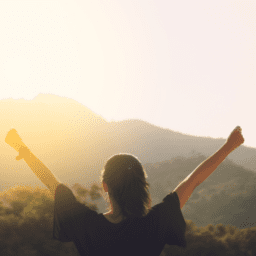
94 235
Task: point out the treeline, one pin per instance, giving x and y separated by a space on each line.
218 240
26 224
26 221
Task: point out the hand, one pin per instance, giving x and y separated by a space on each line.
235 139
13 139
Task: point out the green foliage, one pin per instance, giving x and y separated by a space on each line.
215 240
95 192
26 224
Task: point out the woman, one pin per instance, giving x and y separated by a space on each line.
131 227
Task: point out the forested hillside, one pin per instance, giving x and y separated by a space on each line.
27 219
227 196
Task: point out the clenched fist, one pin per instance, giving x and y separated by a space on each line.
235 139
13 139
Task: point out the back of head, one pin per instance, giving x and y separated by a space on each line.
127 185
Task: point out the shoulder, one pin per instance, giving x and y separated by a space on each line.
64 193
67 206
171 200
61 188
169 212
172 224
64 198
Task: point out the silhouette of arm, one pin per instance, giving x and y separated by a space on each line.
40 170
207 167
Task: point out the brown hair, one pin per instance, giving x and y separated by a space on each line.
127 185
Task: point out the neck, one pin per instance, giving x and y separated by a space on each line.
115 210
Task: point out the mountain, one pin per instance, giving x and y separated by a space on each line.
74 142
51 126
227 196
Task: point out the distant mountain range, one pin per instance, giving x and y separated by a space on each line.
227 196
69 137
75 143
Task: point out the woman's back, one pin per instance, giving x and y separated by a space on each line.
94 234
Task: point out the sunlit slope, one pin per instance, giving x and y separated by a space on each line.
50 126
74 142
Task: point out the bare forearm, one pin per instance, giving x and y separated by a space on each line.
207 167
41 171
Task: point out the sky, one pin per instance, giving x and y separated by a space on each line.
188 66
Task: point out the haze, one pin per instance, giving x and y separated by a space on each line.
184 65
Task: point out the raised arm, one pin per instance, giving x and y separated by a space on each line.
207 167
40 170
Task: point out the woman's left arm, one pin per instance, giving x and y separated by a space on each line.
40 170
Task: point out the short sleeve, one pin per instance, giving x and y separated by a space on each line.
172 222
66 209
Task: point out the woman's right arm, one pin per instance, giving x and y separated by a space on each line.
207 167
